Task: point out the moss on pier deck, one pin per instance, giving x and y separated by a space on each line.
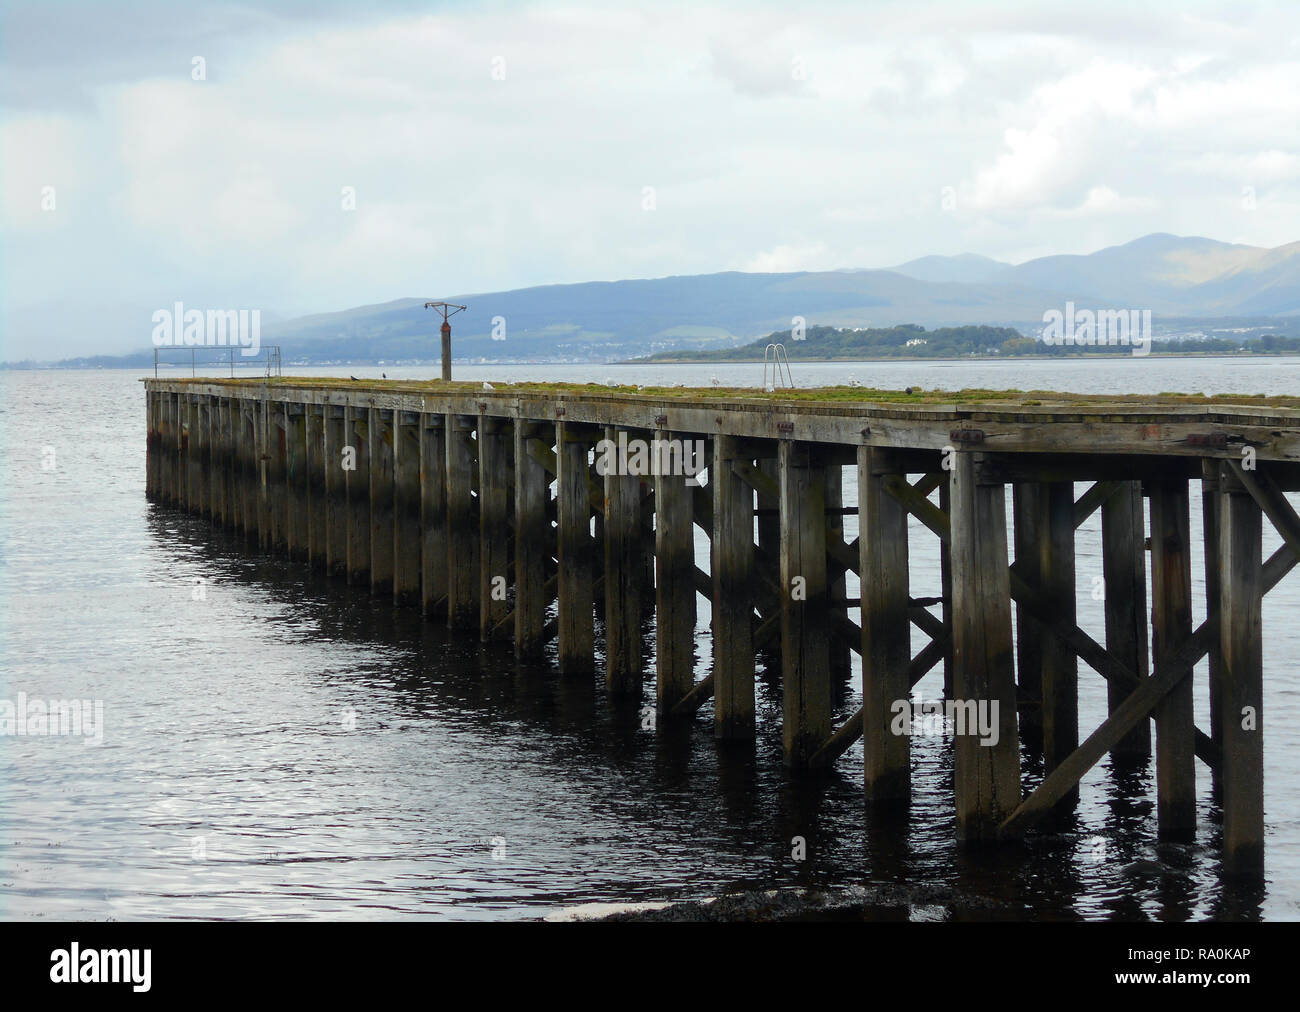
838 395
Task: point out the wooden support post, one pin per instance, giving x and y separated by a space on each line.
169 448
732 567
674 583
380 436
151 444
211 453
216 464
230 440
575 550
203 403
178 450
231 437
1028 508
162 448
1171 594
314 425
193 464
433 515
261 459
836 590
987 772
250 464
805 625
296 478
769 509
406 508
623 577
183 451
1060 672
494 524
534 538
1124 582
336 490
647 533
886 631
211 486
1241 589
358 494
462 524
945 583
1210 503
277 485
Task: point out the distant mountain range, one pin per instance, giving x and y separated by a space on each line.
1177 278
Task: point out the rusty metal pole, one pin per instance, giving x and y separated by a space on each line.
446 309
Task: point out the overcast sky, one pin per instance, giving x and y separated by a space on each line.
495 146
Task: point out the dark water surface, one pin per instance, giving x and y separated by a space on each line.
289 747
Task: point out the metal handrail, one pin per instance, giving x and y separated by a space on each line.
776 354
273 360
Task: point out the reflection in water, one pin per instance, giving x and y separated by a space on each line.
613 810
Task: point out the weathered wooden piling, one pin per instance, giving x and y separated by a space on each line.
1210 520
623 577
838 650
356 473
674 580
433 514
380 454
277 488
1059 679
1124 586
1171 621
439 497
575 548
216 463
494 525
1027 510
886 630
534 533
334 448
1241 706
407 542
732 568
299 515
314 423
805 627
250 468
462 524
986 772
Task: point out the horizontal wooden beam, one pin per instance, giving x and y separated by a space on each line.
1071 428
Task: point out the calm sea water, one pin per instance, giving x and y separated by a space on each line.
277 745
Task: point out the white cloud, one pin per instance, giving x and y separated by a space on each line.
1057 131
780 259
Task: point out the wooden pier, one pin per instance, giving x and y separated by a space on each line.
483 507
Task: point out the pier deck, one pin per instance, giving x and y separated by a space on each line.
485 506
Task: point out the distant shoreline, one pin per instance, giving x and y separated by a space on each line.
965 358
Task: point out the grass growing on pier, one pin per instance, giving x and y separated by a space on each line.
832 394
